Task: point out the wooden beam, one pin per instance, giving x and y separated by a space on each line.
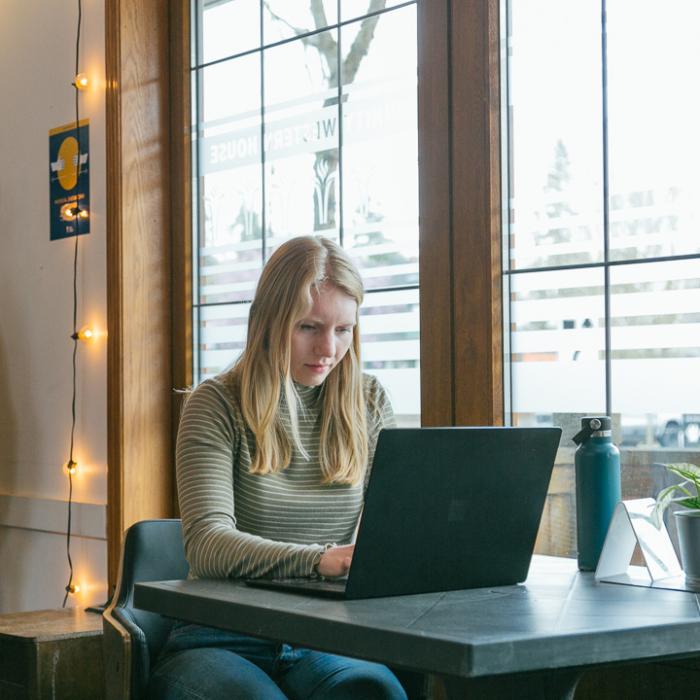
460 212
181 207
476 211
139 367
434 137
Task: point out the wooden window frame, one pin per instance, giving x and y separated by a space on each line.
148 256
149 249
460 212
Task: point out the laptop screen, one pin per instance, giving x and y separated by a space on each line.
450 508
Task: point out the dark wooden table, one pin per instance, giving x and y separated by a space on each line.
528 641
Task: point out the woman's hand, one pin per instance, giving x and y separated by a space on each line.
336 560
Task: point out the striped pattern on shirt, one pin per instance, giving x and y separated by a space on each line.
238 524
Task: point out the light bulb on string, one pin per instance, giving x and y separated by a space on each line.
85 333
67 213
77 211
73 588
81 81
71 211
71 467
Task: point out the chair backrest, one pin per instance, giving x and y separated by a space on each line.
153 551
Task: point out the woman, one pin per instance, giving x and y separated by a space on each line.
272 461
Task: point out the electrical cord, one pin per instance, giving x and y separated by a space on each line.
76 214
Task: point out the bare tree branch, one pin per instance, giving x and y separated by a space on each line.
327 46
360 46
319 13
279 18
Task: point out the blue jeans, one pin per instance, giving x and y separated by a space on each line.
203 663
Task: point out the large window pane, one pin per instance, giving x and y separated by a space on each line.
380 150
555 140
312 131
653 128
601 336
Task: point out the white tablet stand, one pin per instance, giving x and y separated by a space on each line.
633 523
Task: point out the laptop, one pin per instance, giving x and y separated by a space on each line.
445 509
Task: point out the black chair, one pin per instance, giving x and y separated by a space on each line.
133 638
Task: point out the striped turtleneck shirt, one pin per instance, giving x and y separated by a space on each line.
238 524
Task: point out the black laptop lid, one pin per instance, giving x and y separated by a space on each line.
451 508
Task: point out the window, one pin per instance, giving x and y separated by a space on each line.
305 123
602 252
149 228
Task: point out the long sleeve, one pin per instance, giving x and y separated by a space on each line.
208 442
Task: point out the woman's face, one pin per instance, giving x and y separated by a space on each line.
322 337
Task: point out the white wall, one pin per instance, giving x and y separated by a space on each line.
37 60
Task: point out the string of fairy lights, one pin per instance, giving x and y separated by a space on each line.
78 214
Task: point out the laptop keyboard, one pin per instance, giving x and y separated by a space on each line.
330 586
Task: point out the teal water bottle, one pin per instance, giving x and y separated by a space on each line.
597 464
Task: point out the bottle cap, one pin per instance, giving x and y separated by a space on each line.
590 425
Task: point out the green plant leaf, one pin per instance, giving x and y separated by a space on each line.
668 492
667 495
665 498
690 472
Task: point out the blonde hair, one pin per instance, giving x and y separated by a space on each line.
262 374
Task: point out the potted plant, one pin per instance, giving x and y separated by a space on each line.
686 493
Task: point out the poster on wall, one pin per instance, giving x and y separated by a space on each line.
69 180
